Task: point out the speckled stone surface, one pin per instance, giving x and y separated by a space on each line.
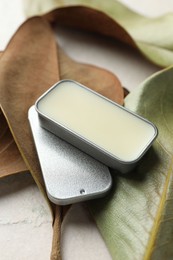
25 220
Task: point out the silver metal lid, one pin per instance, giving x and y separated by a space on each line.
70 175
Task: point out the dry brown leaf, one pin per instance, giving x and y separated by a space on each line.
11 161
8 149
27 68
126 92
89 19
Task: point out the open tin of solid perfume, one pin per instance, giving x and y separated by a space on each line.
96 125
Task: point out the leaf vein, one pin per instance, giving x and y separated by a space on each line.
157 222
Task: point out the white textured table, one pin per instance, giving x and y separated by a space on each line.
25 219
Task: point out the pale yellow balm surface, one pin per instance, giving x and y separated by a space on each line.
108 126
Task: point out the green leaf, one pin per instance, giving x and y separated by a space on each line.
153 36
136 219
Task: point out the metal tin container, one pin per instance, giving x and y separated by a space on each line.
96 125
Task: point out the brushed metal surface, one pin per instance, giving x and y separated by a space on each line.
69 174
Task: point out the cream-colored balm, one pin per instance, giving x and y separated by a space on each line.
95 124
